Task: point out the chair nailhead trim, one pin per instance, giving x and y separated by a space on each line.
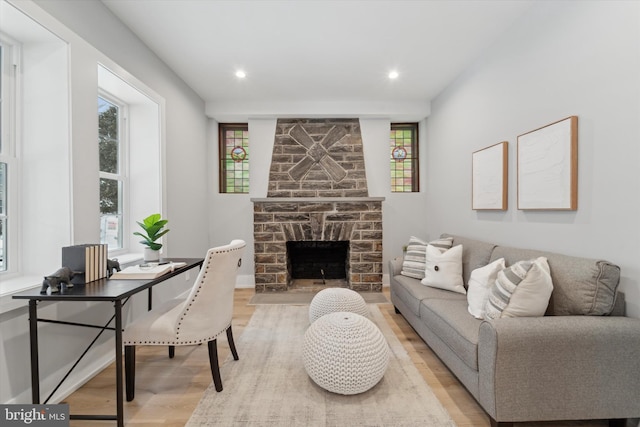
177 340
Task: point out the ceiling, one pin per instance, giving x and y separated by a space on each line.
322 51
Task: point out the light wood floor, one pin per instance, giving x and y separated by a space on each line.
168 390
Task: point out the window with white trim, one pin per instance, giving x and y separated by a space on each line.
131 158
34 149
404 157
3 216
234 157
8 163
112 131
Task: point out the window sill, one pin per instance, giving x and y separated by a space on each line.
19 284
16 284
13 286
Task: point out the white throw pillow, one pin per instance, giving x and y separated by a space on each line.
521 290
444 270
479 285
413 264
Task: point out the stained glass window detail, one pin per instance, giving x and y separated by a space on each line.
234 158
404 157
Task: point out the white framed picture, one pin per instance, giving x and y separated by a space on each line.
548 167
489 171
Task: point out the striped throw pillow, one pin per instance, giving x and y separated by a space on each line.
415 258
521 290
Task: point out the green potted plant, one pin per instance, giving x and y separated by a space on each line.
153 226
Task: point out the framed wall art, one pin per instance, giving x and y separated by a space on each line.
548 167
489 172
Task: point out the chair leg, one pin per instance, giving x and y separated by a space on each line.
172 351
213 362
232 345
130 371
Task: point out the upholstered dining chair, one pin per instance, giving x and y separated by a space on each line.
195 317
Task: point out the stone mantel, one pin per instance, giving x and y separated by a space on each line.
315 199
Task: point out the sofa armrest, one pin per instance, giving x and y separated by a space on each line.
560 367
395 266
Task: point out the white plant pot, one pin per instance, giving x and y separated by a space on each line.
151 255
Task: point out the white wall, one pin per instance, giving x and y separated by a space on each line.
44 167
185 131
95 36
231 215
562 59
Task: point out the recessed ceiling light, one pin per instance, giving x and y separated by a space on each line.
393 75
241 74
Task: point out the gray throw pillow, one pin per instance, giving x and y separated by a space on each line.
415 258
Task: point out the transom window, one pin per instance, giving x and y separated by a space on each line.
404 157
234 157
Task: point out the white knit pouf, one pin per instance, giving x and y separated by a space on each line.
345 353
331 300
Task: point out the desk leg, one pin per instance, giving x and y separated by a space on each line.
119 382
33 336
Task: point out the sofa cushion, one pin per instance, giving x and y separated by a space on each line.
414 260
475 254
480 282
411 292
581 286
521 290
451 322
444 269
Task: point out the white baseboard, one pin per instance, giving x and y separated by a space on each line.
245 281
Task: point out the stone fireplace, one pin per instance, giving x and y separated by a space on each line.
317 198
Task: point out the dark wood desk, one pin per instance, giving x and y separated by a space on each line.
103 290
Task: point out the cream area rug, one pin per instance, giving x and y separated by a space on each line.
269 386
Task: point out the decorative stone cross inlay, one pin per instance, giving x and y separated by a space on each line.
317 153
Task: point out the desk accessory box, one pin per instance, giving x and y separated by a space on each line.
90 260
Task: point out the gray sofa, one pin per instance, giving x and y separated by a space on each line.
580 361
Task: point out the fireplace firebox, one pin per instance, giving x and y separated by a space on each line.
324 260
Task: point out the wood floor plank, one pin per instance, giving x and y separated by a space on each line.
168 390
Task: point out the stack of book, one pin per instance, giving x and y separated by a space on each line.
88 261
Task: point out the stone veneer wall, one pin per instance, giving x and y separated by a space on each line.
317 190
282 220
317 158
